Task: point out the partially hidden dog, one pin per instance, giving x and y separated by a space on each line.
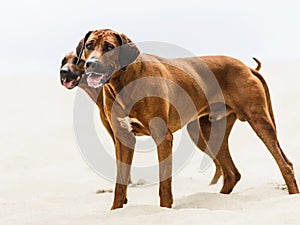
113 63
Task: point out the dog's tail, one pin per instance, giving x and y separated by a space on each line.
258 64
262 80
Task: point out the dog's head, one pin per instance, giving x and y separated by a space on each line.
106 52
71 72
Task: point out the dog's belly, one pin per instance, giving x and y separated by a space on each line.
137 124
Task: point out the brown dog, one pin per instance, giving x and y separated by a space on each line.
113 62
72 75
69 71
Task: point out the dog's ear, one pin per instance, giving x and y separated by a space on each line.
64 62
81 45
128 50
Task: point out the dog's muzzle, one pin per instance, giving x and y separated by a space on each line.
68 79
96 77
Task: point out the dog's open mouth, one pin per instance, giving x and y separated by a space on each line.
71 83
97 79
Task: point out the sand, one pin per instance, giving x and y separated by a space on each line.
45 181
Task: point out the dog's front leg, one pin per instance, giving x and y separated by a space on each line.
164 147
124 146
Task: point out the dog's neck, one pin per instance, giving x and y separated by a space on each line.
94 93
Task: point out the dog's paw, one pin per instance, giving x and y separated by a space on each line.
116 207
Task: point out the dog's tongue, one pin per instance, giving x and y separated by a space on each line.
94 80
68 84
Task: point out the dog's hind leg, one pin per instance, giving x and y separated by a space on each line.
269 103
194 132
218 173
255 105
231 174
262 124
221 155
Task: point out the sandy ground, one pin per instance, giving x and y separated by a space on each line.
45 181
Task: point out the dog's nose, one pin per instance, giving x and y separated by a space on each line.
88 64
64 71
91 63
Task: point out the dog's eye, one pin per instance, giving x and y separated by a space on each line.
89 47
108 47
75 60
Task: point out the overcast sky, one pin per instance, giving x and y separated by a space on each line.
36 34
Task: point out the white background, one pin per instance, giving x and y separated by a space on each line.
36 34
